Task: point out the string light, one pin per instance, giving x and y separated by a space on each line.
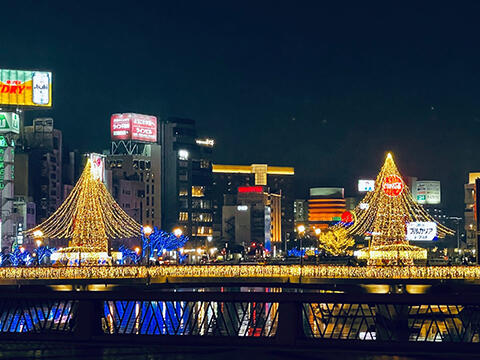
387 211
222 272
335 241
88 217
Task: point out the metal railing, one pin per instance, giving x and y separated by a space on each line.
227 318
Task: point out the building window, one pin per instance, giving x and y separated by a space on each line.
204 164
148 201
135 164
204 230
147 213
148 189
153 188
183 154
183 191
153 201
183 163
201 217
183 216
198 191
183 203
148 165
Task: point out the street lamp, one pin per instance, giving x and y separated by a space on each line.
147 231
177 232
301 232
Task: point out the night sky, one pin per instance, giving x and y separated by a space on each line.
326 89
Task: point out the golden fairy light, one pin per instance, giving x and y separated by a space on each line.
384 213
88 217
223 272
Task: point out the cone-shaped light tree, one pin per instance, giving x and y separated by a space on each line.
88 217
384 213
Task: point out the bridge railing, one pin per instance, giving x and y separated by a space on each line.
226 318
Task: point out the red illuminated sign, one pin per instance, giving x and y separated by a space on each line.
347 217
250 189
393 185
133 127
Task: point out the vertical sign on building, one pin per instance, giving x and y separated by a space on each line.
98 166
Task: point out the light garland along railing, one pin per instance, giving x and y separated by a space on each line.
242 271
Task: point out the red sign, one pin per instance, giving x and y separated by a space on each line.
347 217
250 189
133 127
393 185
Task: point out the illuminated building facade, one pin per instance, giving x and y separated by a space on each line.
325 206
255 218
471 212
278 179
186 180
300 212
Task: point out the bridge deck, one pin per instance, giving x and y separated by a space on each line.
252 273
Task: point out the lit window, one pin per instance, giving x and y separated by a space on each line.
198 191
183 191
183 154
183 216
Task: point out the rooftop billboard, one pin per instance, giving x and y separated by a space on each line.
25 88
427 192
136 127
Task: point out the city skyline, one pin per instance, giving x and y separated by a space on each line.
309 86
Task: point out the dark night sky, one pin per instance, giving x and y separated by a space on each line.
327 89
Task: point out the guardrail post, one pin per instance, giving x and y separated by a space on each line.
88 319
289 323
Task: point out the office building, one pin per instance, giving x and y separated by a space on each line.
278 179
255 219
471 212
134 167
300 212
38 170
186 180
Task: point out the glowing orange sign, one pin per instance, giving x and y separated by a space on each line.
393 185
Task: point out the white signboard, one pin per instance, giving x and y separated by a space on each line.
421 231
98 166
427 192
366 185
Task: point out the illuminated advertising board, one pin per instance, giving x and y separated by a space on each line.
133 127
366 185
421 231
25 88
98 166
427 192
9 122
393 185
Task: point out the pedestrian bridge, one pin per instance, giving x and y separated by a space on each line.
294 273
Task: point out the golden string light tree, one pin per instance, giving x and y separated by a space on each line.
88 217
385 214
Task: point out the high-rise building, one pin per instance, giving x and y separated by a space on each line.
300 212
471 212
39 167
254 219
279 179
134 167
186 180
